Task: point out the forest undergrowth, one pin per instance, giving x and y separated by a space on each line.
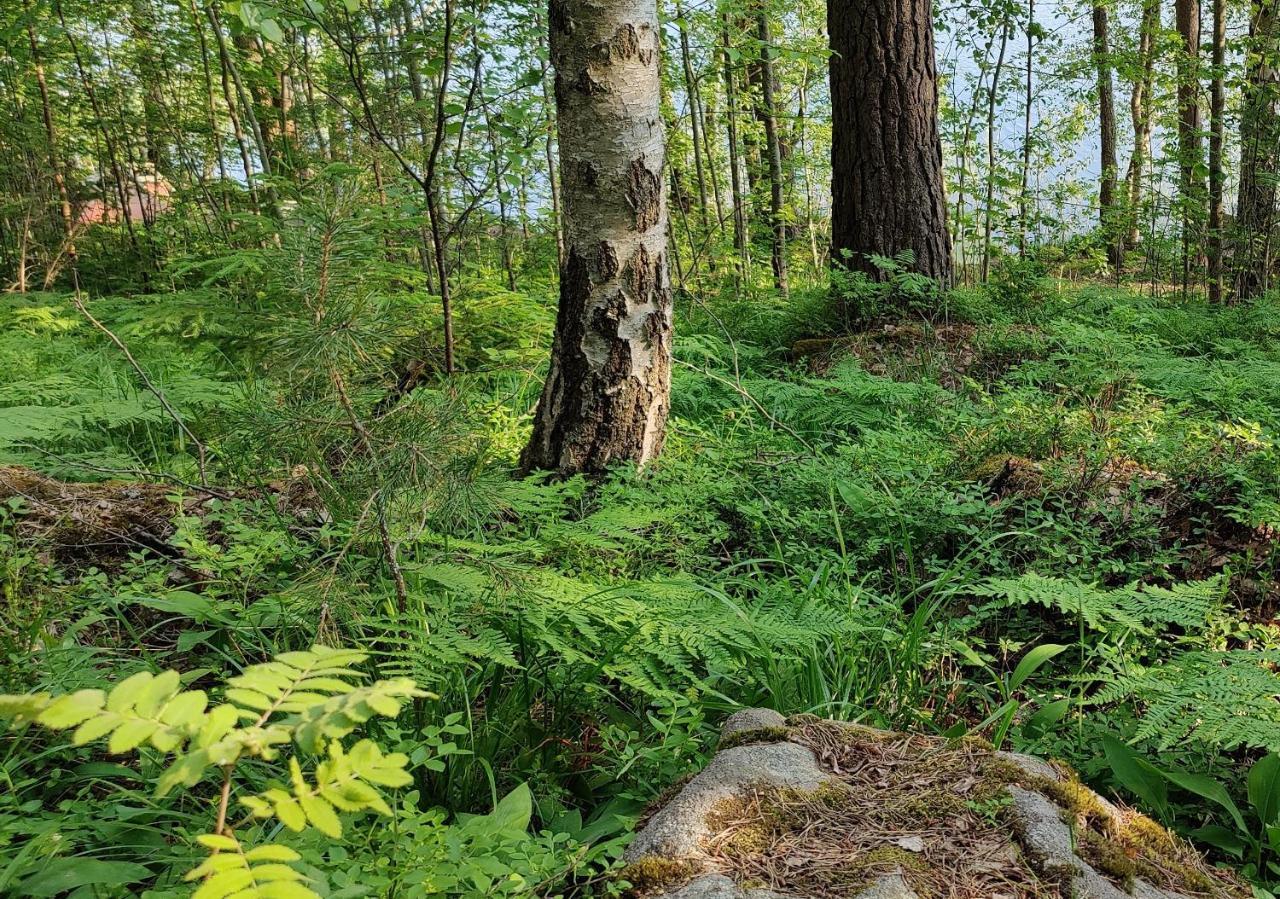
1049 517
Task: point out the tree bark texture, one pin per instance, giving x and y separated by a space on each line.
1254 249
1111 231
1191 184
607 394
886 153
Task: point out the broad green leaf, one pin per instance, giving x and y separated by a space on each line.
1264 788
1137 775
66 874
1210 789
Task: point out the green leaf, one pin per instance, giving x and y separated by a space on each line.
72 709
1137 775
1207 788
321 815
271 30
65 874
1264 788
272 853
1220 837
514 811
1046 716
1032 662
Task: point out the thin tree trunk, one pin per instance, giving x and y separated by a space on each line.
991 153
113 160
55 160
1023 194
740 241
769 115
1217 113
809 224
607 393
1140 112
553 170
1191 187
691 95
1107 220
1259 154
228 95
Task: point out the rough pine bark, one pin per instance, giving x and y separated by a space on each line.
1191 185
1107 205
607 394
1217 123
886 153
1254 249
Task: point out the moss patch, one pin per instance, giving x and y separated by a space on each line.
653 873
754 735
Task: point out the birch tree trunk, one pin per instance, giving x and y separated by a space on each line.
1140 112
606 397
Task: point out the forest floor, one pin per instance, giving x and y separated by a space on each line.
874 527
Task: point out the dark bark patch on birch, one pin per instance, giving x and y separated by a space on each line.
640 278
558 17
606 262
587 174
644 193
625 44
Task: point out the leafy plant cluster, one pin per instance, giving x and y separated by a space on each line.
1067 543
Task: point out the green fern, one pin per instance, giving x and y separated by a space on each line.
1220 699
1137 608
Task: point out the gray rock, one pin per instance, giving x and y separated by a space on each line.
751 719
706 886
890 886
717 886
677 831
1144 890
1030 765
1046 839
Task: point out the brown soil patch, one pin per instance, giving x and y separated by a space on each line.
910 351
80 524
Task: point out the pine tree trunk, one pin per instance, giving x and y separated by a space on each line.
1191 186
773 147
993 98
1217 113
1254 250
741 243
607 394
886 152
1111 231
